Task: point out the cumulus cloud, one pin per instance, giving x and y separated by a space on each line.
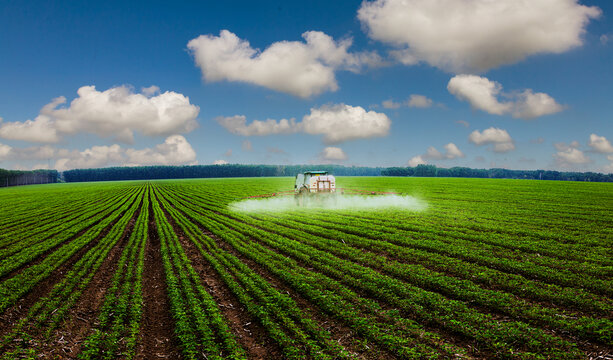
475 35
416 160
482 94
337 123
40 130
500 139
299 68
237 125
116 112
419 101
600 144
562 146
571 156
174 151
415 100
151 90
340 123
604 39
531 105
451 152
391 104
220 162
538 140
5 151
331 153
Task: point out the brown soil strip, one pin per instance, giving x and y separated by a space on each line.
249 333
67 340
338 331
156 337
41 257
588 347
351 341
13 314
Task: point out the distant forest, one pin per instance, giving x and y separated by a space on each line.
17 177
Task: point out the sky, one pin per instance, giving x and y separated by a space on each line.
517 84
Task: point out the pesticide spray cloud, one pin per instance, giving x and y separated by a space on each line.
345 202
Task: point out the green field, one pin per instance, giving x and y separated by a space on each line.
466 268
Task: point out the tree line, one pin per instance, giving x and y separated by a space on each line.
496 173
208 171
18 177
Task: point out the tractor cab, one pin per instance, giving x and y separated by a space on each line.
313 182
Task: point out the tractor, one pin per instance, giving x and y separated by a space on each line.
311 183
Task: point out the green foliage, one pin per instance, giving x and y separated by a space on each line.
489 269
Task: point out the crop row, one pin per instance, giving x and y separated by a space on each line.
120 316
296 333
48 312
427 306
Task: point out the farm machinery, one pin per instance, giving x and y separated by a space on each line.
318 185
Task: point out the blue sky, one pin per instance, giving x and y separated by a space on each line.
520 85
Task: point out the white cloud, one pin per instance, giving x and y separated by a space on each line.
499 138
432 153
302 69
331 153
40 130
475 35
571 156
116 112
561 146
415 100
600 144
451 152
5 151
151 90
237 125
416 160
482 94
246 145
604 39
538 140
531 105
220 162
337 123
390 104
419 101
94 157
479 92
340 123
174 151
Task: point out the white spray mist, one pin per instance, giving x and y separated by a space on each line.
339 202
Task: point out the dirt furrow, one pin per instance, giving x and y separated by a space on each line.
346 337
156 336
13 314
83 317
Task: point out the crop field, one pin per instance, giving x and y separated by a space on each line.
449 268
